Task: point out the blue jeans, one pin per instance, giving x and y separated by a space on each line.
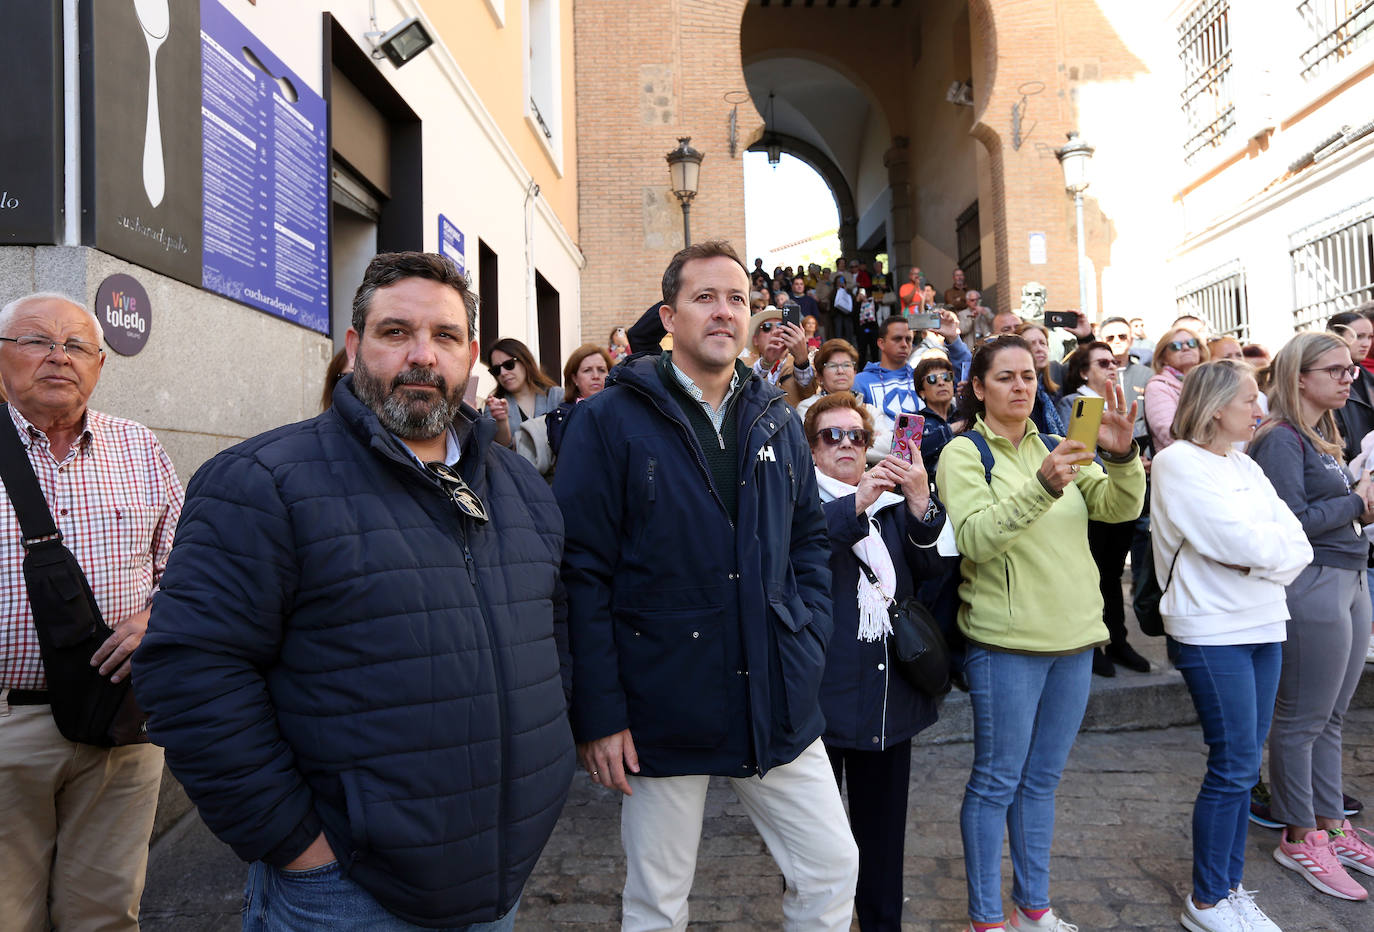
1233 687
323 898
1026 713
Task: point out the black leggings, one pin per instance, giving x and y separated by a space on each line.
1109 544
877 817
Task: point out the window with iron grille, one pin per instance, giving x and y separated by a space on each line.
1338 27
970 245
1204 49
1333 265
1218 297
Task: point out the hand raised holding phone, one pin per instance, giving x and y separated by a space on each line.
1060 466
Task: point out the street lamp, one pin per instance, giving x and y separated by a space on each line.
1074 158
684 168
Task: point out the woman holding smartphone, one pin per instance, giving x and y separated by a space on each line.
882 520
1299 449
1030 612
1225 546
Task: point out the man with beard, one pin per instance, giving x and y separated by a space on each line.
351 662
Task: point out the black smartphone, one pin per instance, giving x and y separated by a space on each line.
791 313
1066 319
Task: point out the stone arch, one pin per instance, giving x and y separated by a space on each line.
834 179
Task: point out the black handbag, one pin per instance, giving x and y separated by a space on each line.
86 706
916 648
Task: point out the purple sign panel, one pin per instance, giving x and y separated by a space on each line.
266 177
125 314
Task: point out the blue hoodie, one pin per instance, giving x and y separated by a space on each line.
894 390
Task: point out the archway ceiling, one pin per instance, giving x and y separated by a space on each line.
815 103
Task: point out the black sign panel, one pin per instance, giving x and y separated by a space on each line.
122 305
141 133
31 140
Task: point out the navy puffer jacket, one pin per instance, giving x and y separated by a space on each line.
704 637
335 648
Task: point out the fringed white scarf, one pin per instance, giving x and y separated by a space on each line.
873 600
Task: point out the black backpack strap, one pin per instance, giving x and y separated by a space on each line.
35 518
984 453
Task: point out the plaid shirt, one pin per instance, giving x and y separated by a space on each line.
116 500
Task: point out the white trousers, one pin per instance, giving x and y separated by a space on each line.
796 809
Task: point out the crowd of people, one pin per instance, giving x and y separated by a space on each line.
386 636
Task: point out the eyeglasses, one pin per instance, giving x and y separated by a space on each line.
459 491
497 368
44 346
838 367
833 436
1179 346
1105 363
1350 372
936 377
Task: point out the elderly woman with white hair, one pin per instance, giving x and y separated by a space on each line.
1225 546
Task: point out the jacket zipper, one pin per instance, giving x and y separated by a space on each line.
887 671
652 489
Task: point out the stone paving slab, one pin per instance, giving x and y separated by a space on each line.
1122 855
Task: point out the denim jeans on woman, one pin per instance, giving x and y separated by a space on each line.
1233 687
1026 712
323 898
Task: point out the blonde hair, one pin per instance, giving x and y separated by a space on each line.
1285 391
1157 360
1207 388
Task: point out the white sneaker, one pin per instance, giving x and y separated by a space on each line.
1222 917
1050 922
1243 901
1369 655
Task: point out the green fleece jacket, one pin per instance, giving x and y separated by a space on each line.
1029 582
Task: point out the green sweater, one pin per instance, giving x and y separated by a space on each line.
1029 583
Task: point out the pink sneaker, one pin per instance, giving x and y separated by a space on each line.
1351 848
1315 859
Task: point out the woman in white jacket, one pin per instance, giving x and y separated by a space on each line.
1225 546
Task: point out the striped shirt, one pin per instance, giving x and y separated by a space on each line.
116 499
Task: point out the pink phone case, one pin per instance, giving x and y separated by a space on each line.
906 435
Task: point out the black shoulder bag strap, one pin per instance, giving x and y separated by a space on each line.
86 706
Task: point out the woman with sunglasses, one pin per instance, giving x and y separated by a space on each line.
1091 372
836 362
1047 391
1299 449
1030 613
1175 355
883 520
934 380
518 380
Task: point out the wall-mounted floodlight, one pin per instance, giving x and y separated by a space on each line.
401 43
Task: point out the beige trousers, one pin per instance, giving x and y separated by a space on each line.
74 827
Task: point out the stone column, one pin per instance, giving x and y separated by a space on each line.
897 160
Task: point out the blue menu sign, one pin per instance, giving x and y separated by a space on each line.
266 177
451 242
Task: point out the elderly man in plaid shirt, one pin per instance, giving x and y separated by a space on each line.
74 818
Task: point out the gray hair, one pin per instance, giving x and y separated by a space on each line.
9 310
388 268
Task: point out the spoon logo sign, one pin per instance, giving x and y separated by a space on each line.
155 19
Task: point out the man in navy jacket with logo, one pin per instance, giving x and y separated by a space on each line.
697 570
351 661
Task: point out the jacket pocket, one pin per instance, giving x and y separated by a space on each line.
801 656
357 817
672 668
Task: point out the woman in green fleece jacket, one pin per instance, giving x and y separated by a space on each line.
1032 613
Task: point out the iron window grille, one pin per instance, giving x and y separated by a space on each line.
1204 49
1339 27
1333 265
1218 297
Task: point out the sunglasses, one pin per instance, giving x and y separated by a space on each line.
459 491
1179 346
833 436
1105 363
936 377
1117 338
768 326
497 368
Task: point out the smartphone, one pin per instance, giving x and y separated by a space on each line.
791 313
1084 421
930 320
906 435
1066 319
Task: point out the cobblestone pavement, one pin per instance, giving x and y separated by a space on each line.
1122 855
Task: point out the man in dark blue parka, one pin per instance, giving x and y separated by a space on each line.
697 570
352 662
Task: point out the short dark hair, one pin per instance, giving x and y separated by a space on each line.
388 268
710 249
1115 320
1076 368
932 363
889 322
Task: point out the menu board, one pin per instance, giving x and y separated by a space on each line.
31 157
266 177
